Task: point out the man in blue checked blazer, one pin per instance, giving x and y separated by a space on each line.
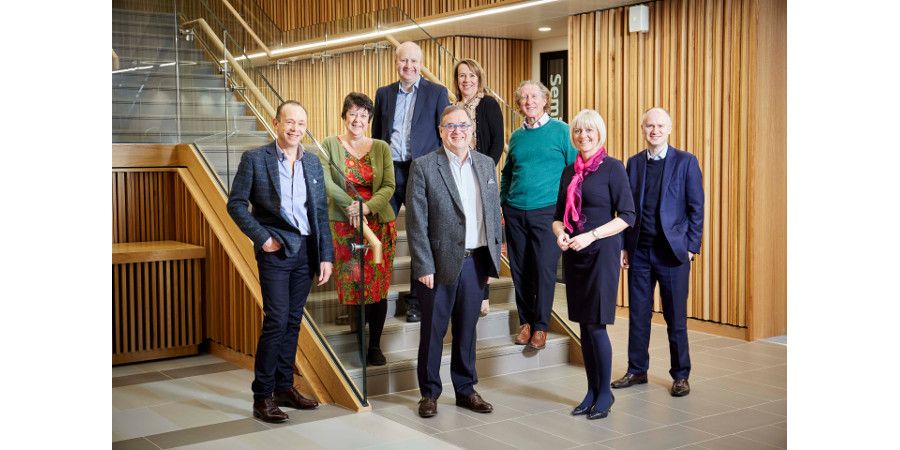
288 225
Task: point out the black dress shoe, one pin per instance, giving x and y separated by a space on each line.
681 387
412 314
267 411
596 413
581 410
628 380
427 407
375 357
292 399
475 403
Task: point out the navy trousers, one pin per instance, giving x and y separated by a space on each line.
648 266
401 174
460 304
533 257
285 283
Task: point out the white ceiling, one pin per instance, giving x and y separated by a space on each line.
524 23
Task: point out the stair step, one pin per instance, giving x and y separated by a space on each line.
128 26
148 108
155 136
126 15
144 38
202 66
158 54
494 356
400 335
207 95
323 305
157 80
196 124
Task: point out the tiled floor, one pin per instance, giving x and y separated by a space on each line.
738 400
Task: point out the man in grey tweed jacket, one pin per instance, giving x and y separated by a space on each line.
453 227
290 233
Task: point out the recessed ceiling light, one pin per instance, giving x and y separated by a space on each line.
544 29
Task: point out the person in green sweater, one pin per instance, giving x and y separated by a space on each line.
529 182
366 163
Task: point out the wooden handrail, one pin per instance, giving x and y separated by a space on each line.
247 28
115 60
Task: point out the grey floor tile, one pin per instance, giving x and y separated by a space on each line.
716 342
355 431
297 416
204 369
424 443
500 413
758 391
405 418
448 418
134 444
138 378
618 423
716 394
574 428
740 354
734 422
653 412
769 435
765 348
709 359
660 438
524 436
734 443
472 440
207 433
697 403
135 423
772 376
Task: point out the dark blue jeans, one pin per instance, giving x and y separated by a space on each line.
285 283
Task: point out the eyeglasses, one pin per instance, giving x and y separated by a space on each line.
457 126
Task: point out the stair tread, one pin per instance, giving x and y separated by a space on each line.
484 348
394 288
399 323
183 117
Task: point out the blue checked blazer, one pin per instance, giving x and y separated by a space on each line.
256 184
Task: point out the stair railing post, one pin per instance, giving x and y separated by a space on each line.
177 76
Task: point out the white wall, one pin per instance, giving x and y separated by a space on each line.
539 46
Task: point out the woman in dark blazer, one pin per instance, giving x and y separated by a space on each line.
594 205
485 113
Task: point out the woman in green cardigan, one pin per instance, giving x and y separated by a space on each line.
366 163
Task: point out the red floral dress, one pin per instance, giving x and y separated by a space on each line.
377 276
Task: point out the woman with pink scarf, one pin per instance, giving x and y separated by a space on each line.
593 207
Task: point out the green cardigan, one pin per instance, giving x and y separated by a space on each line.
382 181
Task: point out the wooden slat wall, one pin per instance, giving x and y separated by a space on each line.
321 85
696 62
155 205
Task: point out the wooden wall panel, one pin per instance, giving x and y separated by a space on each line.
696 61
320 83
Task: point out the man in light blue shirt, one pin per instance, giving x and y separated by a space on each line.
406 116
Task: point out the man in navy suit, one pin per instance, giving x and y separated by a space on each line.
290 233
668 191
407 115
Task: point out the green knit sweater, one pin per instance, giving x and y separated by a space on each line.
382 181
536 159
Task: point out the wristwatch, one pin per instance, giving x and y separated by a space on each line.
595 233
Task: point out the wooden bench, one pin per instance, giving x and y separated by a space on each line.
158 292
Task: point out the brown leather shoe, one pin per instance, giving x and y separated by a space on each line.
628 380
538 340
267 411
475 403
524 334
681 387
427 407
293 399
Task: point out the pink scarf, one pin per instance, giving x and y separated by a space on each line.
573 192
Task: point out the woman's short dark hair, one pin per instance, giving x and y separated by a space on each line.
359 100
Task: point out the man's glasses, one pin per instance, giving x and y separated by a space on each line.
457 126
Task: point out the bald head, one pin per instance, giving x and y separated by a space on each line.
656 125
408 58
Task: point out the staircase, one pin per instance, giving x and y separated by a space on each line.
496 354
144 100
144 111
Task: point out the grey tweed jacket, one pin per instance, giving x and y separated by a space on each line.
435 221
256 183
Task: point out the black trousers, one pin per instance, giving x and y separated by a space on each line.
533 257
401 175
458 303
285 283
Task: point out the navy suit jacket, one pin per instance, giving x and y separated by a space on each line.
680 202
431 99
256 183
